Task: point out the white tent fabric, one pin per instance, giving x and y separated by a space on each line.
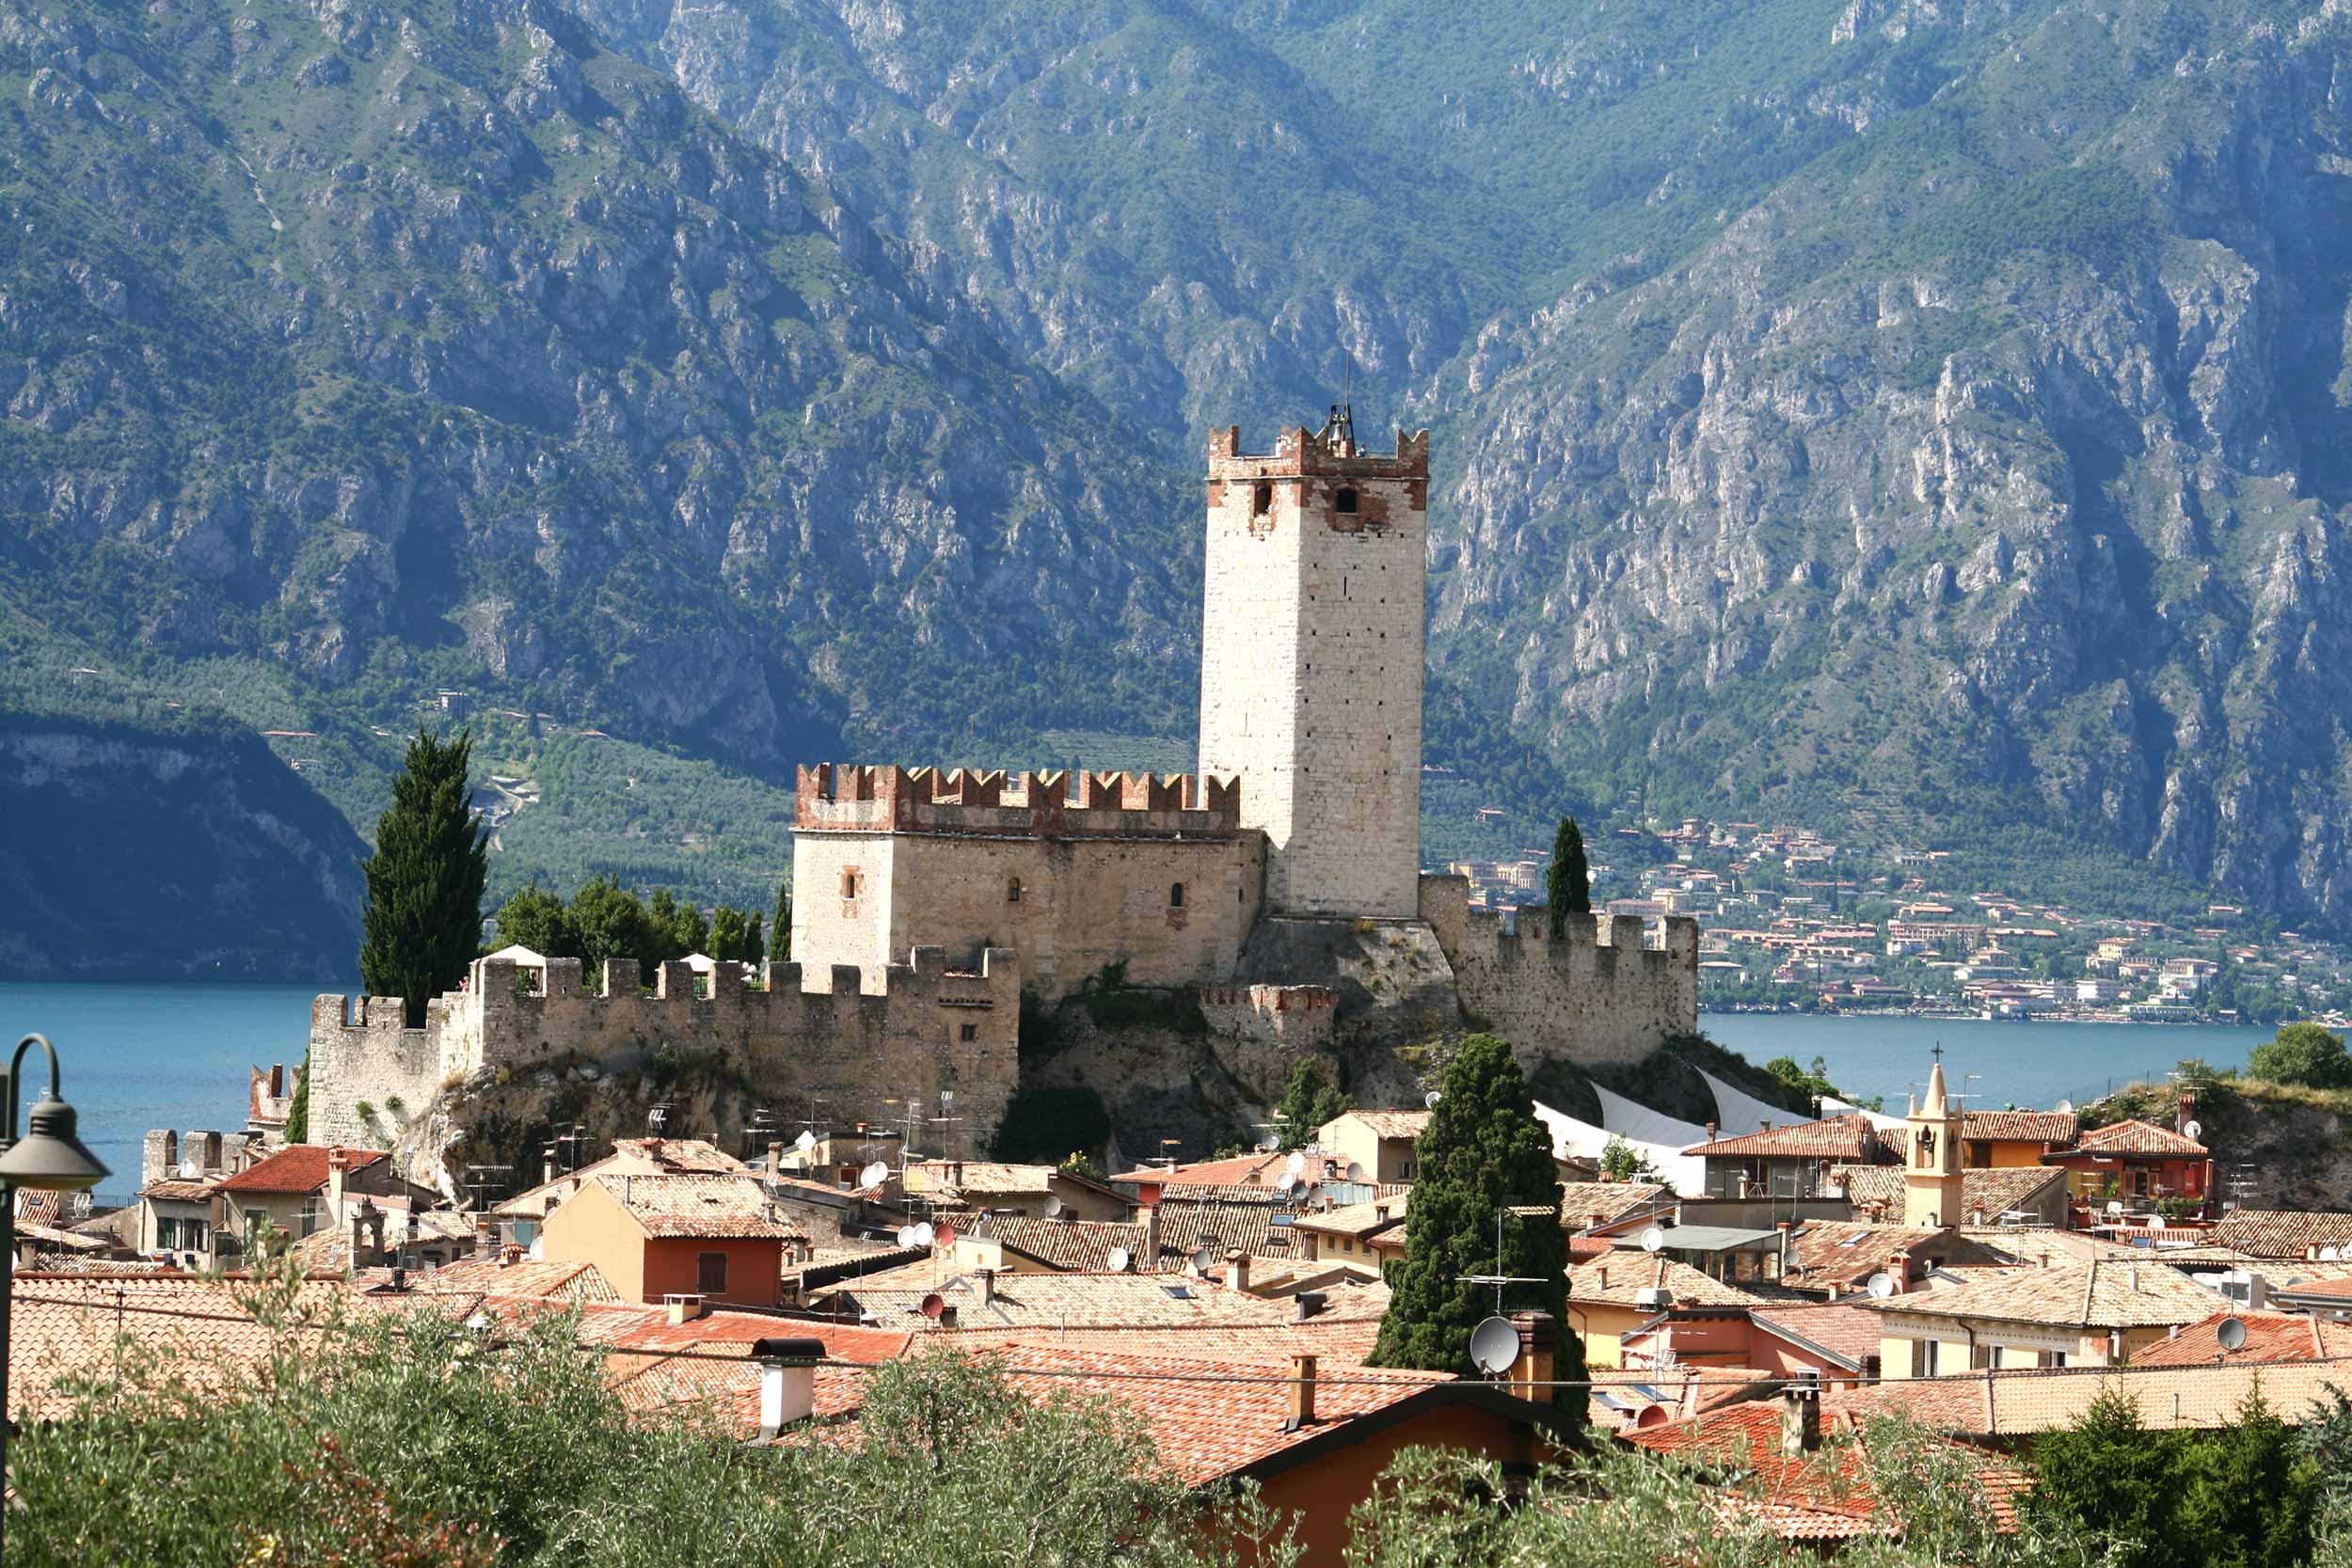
1739 1114
1685 1174
1833 1106
1637 1122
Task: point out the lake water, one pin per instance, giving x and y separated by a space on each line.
2030 1064
140 1056
177 1055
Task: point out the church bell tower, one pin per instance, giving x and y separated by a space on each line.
1311 660
1933 1182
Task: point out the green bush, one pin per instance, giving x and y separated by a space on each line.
2302 1054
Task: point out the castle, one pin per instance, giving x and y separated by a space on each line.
926 901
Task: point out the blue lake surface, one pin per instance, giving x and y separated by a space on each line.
2028 1064
167 1055
177 1055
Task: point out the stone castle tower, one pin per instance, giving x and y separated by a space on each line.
1310 661
1933 1184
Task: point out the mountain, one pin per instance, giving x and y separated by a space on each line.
1921 415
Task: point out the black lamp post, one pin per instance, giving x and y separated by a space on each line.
49 1158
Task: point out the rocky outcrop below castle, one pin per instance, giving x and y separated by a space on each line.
174 852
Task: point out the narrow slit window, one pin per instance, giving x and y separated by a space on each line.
849 884
1012 889
1262 498
1176 896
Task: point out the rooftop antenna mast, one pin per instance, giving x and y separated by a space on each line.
1498 1280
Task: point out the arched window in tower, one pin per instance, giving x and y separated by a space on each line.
1344 502
1176 896
1262 498
1012 889
849 884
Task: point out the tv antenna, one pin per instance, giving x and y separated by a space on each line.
1498 1280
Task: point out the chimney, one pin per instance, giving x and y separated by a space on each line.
337 1169
775 1159
787 1381
947 1315
1800 1419
1310 1303
1150 1262
1710 1131
988 1285
1781 1270
1535 1366
1763 1124
683 1309
1302 1393
1600 1278
1237 1270
485 1233
2185 1109
1899 1269
509 1256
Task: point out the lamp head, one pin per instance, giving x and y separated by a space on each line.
51 1157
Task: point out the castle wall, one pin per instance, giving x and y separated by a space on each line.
1293 1018
1074 871
1311 664
1598 997
923 1030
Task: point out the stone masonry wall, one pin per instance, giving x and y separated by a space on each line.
925 1030
1598 997
1311 664
1295 1019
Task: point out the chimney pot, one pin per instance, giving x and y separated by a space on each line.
1800 1419
988 1285
1310 1303
1237 1270
1302 1392
1710 1131
947 1315
788 1382
683 1308
1538 1342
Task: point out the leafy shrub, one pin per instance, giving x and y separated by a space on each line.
2303 1053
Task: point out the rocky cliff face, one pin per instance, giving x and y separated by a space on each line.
130 855
1999 472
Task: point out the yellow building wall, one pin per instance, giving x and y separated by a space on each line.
1603 1328
591 1226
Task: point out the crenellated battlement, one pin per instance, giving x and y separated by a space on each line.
925 1027
1056 803
1299 451
1607 989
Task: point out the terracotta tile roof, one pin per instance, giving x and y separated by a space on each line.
175 1190
1361 1220
1117 1301
2138 1137
1393 1124
717 1207
1221 1191
1846 1331
2041 1127
1081 1245
2283 1233
295 1168
1845 1253
1248 1227
528 1278
1612 1201
2269 1336
1254 1171
2099 1294
2020 1403
1618 1281
1825 1496
2042 1245
629 1157
1850 1139
1622 1397
65 1325
1990 1192
1341 1335
980 1176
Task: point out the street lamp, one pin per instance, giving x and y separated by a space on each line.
50 1158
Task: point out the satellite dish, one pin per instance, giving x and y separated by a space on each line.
873 1175
2192 1130
1054 1206
1431 1098
1268 1144
925 1235
1653 1238
1320 1203
1119 1258
906 1235
1354 1170
946 1235
2065 1107
1296 1163
933 1304
1881 1286
1494 1346
2231 1331
1202 1260
1293 1188
806 1141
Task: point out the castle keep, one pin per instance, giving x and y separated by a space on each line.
925 902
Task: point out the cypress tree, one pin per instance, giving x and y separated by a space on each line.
422 924
298 1108
780 939
755 940
1569 882
1483 1152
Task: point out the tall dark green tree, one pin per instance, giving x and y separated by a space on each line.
609 923
1308 1100
423 923
755 940
780 939
1483 1154
1568 885
534 918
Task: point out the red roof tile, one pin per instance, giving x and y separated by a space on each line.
2041 1127
1847 1138
2269 1336
2138 1137
295 1168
